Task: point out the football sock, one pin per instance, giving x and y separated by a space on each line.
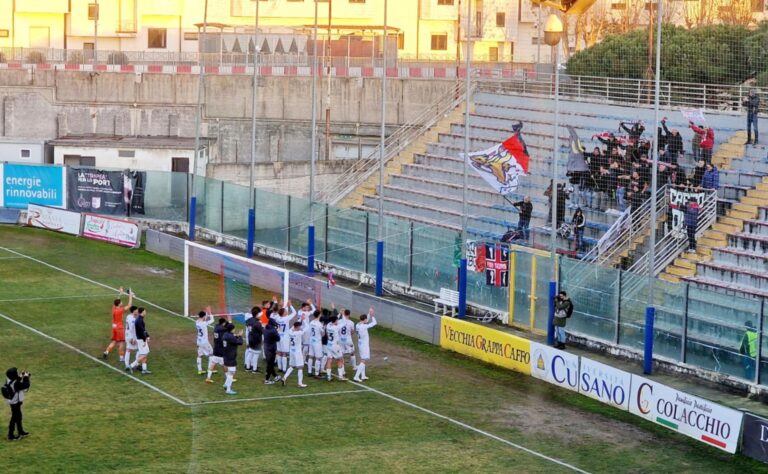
328 373
353 359
301 376
317 366
360 370
228 381
287 373
199 363
144 366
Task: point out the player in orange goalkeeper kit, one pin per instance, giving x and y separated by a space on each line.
118 330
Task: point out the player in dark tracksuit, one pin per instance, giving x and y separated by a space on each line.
255 335
230 342
218 348
271 337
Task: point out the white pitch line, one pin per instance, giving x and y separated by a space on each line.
41 262
472 428
46 298
277 397
94 359
10 258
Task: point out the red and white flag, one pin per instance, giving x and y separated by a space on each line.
502 165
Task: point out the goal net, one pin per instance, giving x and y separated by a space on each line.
228 283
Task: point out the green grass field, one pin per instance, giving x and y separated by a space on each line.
85 417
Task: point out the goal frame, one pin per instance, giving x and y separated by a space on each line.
188 244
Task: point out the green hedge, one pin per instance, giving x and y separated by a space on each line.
722 54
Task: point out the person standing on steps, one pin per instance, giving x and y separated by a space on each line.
524 222
563 311
752 103
691 221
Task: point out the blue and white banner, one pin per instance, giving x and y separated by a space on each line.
604 383
25 184
555 366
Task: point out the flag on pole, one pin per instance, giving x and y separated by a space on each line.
576 161
502 165
331 281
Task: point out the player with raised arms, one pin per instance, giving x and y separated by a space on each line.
118 328
295 354
218 349
283 321
204 349
131 344
305 317
346 328
315 344
367 321
333 349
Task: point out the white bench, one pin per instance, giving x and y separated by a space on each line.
448 299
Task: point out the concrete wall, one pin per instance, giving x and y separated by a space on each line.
11 150
144 159
49 104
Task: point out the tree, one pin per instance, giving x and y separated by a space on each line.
591 26
736 12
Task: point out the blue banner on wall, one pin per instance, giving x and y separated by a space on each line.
25 184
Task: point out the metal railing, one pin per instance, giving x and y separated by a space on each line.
669 247
396 142
623 233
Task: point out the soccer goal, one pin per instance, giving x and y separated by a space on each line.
229 283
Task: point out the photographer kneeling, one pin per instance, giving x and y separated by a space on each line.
13 391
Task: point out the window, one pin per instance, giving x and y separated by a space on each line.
191 36
4 33
25 153
126 153
501 19
619 6
445 2
440 42
493 54
356 1
87 161
156 37
93 11
536 40
295 0
401 40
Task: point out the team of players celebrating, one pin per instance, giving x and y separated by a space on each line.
288 340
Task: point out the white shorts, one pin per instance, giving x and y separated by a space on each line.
316 350
232 369
283 344
348 348
204 349
143 348
215 360
365 351
334 352
296 358
131 346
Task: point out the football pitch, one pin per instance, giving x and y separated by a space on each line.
423 409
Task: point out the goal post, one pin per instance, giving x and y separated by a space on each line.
229 283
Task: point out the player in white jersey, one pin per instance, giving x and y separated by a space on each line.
131 344
283 320
346 328
367 321
315 331
204 349
296 357
305 317
333 349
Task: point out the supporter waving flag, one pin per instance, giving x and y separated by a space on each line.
502 165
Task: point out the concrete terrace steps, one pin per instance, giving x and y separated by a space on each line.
723 286
740 258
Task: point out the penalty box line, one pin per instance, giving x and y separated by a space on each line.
46 298
472 428
159 390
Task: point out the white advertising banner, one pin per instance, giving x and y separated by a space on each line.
604 383
692 416
555 366
52 218
109 229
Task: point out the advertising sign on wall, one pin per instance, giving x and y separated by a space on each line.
25 184
106 192
55 219
486 344
754 439
109 229
555 366
605 384
700 419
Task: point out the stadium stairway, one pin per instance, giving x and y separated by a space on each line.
733 255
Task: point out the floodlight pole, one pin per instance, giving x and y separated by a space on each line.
382 157
650 310
313 154
467 98
251 186
198 119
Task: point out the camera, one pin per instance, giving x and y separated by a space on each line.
25 373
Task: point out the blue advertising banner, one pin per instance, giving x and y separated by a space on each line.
25 184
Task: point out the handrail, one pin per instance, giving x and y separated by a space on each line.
362 169
621 237
669 247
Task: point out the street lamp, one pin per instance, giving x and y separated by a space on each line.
553 31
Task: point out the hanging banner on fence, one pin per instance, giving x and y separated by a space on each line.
105 192
678 199
555 366
489 345
754 439
109 229
134 184
493 259
605 384
52 218
620 227
25 184
694 115
472 255
700 419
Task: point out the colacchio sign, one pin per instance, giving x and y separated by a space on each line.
700 419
